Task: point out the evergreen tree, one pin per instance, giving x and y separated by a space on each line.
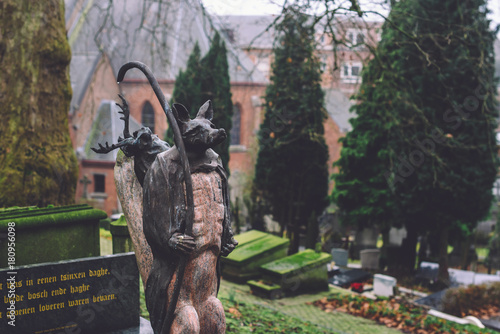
216 86
207 79
187 89
291 169
37 163
312 233
436 76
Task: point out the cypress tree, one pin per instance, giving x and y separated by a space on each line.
207 79
291 170
187 89
448 131
435 93
216 86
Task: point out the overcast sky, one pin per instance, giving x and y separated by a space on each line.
260 7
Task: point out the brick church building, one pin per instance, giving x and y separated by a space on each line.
104 37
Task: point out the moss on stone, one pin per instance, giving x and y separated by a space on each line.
297 262
27 218
257 248
52 233
249 236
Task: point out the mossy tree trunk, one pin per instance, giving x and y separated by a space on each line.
37 163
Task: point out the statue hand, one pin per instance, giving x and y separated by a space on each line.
182 243
228 248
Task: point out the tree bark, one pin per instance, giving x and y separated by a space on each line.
295 239
409 249
443 275
37 163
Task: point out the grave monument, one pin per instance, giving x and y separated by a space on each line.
184 216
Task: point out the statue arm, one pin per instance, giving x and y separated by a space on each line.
228 243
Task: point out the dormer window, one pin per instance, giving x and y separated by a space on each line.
355 37
351 72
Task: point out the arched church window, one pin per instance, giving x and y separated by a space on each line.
148 116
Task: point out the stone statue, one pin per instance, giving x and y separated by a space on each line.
185 219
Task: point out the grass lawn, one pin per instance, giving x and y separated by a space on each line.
251 318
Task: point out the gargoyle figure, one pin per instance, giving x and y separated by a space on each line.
143 145
184 217
198 310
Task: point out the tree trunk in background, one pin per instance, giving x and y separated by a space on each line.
295 239
37 163
409 249
443 275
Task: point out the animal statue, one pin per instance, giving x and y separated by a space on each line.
143 145
185 217
198 310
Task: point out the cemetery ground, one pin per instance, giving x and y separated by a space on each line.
334 311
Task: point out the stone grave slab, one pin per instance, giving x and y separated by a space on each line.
434 300
89 295
347 276
461 277
492 324
301 272
71 231
485 278
255 248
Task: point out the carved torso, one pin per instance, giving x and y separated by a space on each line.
200 278
208 211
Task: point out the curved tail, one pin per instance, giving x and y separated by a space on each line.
187 177
152 81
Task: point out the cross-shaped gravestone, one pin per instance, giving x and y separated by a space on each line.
85 181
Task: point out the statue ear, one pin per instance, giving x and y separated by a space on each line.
180 113
206 111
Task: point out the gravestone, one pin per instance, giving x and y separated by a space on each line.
85 181
346 276
301 272
370 258
396 236
254 249
71 231
90 295
122 243
383 285
340 257
367 238
364 239
428 272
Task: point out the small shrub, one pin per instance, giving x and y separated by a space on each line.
468 300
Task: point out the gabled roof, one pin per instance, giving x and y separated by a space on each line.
249 31
159 34
107 127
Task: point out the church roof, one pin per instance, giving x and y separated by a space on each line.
159 34
107 127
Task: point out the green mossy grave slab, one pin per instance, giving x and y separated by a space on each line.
50 234
254 249
265 289
298 273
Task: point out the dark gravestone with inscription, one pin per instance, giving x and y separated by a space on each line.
90 295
